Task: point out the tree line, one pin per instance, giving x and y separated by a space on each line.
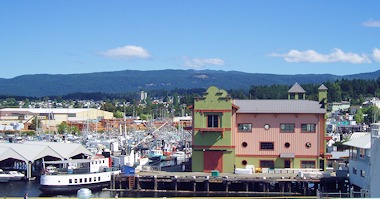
355 91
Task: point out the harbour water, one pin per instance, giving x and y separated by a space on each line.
19 188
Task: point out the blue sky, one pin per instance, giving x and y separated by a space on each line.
277 37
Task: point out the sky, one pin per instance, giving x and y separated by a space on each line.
275 37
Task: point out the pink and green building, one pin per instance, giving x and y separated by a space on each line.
230 133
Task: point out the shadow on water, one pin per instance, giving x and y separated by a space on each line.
19 188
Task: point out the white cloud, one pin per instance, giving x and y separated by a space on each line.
127 52
200 63
371 23
376 55
336 55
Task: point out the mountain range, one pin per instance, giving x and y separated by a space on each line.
125 81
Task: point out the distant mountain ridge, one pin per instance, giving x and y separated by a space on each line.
40 85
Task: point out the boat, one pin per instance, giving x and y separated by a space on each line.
4 177
16 175
72 175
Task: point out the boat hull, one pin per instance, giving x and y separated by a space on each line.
58 189
74 182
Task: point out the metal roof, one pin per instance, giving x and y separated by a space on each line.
356 135
296 88
66 150
6 152
31 151
278 106
363 142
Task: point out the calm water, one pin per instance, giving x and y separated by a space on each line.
19 188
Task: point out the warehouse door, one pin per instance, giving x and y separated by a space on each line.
213 160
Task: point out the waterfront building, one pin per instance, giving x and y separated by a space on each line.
288 133
50 118
27 155
359 159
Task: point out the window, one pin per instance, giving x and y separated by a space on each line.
308 164
300 96
244 144
94 179
90 179
75 180
292 96
267 164
85 180
308 128
213 121
266 145
80 180
362 173
70 181
287 128
362 153
98 178
354 171
244 127
266 126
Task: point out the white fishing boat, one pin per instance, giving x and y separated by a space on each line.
4 177
72 175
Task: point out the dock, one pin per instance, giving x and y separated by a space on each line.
225 184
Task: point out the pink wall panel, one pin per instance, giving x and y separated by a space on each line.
297 140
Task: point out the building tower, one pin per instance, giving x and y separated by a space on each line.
296 92
212 132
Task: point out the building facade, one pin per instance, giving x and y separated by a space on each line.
230 134
50 118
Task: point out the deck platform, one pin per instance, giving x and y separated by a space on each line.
205 184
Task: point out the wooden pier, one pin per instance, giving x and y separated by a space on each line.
205 184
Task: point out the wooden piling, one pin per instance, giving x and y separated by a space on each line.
155 183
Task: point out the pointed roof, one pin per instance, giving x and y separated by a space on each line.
322 87
296 88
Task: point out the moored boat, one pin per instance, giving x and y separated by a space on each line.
72 175
4 177
15 175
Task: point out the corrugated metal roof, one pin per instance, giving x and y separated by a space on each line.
356 135
278 106
363 142
66 150
296 88
31 151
